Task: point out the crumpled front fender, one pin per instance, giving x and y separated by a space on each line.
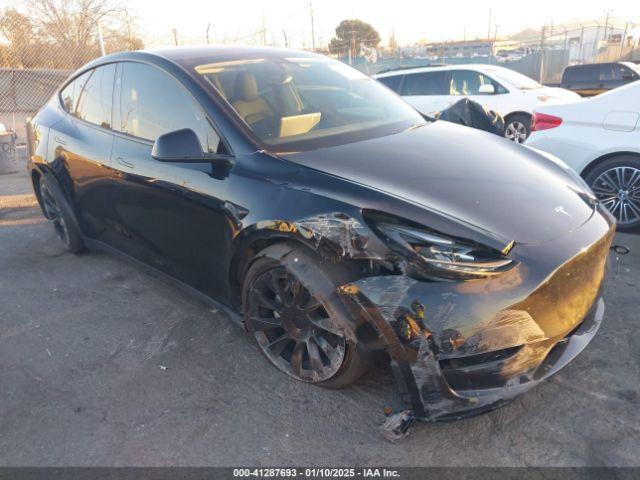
458 348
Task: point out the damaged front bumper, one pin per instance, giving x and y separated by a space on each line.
460 348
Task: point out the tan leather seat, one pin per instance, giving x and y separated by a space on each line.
246 101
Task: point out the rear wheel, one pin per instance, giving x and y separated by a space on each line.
58 211
298 322
517 128
616 183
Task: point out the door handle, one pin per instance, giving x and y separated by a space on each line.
124 163
59 140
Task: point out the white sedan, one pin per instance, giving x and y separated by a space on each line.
599 138
509 93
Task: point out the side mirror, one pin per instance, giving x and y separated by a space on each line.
178 146
487 89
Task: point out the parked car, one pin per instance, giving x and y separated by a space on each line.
302 194
600 139
509 93
594 78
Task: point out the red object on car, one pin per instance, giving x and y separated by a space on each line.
542 121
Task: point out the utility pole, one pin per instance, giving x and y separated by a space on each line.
128 20
542 53
101 40
624 36
352 47
286 40
493 45
464 40
489 30
581 42
175 36
264 30
208 27
313 30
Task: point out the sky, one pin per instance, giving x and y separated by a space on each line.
410 20
241 21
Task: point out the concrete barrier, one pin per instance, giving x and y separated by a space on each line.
8 157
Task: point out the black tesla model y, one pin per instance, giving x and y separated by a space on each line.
338 221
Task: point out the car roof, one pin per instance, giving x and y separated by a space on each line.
480 67
583 65
191 56
223 52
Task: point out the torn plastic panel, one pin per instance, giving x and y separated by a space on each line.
460 348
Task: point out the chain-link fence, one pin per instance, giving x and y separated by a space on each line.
43 41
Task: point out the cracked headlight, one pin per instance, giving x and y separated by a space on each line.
445 256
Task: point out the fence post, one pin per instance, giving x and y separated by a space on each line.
542 53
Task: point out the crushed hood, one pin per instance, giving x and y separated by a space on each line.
476 177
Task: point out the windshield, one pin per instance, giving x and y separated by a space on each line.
516 79
308 102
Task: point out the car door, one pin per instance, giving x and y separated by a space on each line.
171 215
426 91
80 147
467 83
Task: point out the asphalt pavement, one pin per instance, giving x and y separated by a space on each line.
102 364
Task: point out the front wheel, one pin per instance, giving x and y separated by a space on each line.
517 128
297 320
616 183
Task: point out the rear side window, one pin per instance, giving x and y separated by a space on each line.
152 103
89 96
427 83
95 96
69 94
392 82
581 73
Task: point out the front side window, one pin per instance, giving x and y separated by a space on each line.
308 101
615 71
468 82
152 103
427 83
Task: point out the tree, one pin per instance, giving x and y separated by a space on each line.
64 33
351 35
18 30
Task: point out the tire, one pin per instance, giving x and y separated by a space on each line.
294 315
517 127
616 183
57 210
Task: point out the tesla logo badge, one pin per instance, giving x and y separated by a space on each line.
561 209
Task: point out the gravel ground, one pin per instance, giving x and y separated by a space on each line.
101 364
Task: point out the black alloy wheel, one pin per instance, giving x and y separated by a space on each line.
293 329
299 329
